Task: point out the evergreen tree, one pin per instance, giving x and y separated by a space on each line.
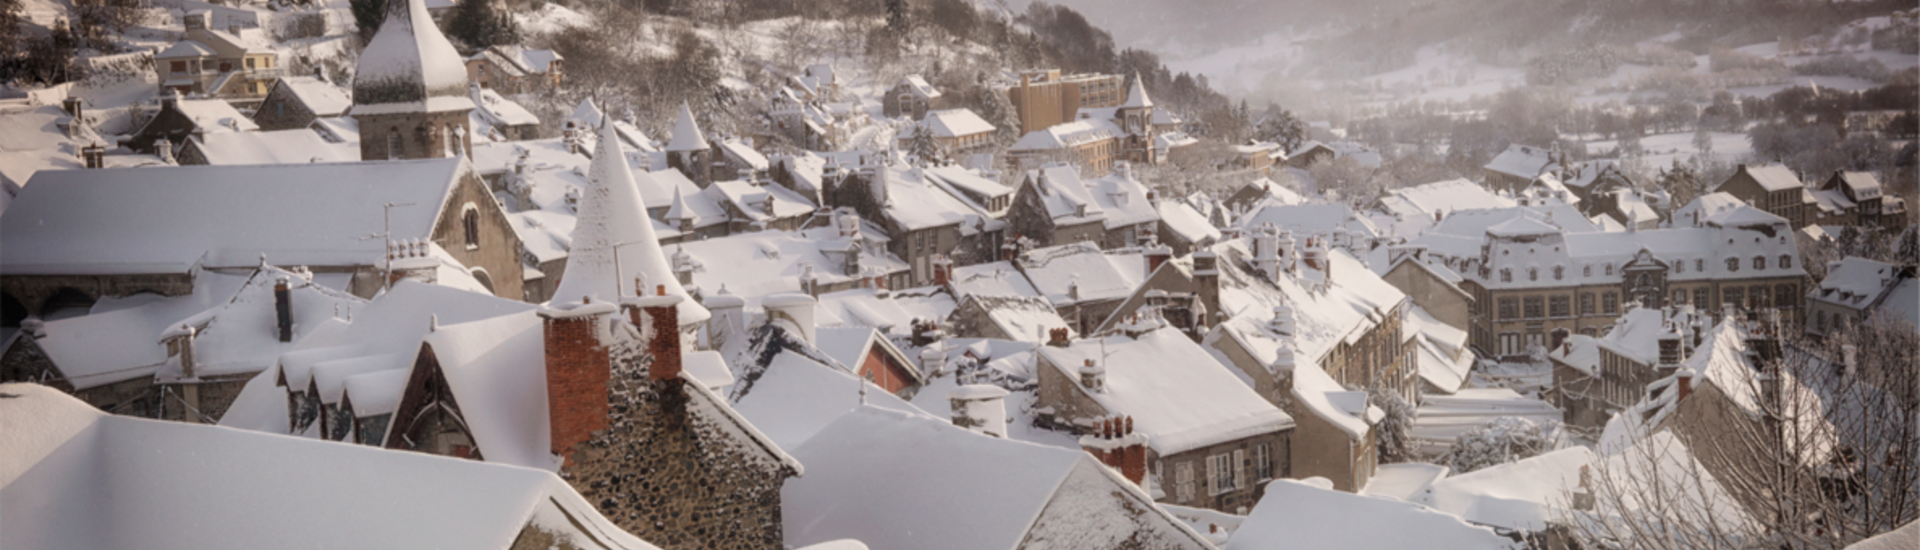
899 18
921 145
479 24
368 15
998 110
1394 435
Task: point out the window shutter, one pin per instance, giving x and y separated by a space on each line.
1213 475
1239 469
1183 478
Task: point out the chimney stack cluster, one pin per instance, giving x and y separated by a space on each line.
1114 443
1057 337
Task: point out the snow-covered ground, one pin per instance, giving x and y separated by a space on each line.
1663 149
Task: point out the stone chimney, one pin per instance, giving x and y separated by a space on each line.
933 362
1282 319
1114 443
1093 376
1009 251
729 313
793 308
1316 254
1057 337
980 408
578 369
1206 276
283 309
682 266
1671 354
96 156
74 107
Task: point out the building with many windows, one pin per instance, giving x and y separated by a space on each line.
1536 279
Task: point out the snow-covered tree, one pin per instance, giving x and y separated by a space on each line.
480 24
1393 437
1500 441
921 144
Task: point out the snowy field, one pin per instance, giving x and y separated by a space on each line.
1663 149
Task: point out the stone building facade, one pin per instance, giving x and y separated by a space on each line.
1046 98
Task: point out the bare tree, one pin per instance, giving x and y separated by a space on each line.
1826 460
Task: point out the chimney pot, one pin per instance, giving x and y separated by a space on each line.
283 309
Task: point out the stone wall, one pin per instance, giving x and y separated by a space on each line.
1238 500
282 110
209 398
671 472
499 250
422 135
33 290
1327 451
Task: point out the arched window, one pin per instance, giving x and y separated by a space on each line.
1786 261
1700 265
1733 265
1506 275
1533 274
448 138
1559 273
1680 266
393 144
470 221
1643 280
1586 270
1759 262
1609 270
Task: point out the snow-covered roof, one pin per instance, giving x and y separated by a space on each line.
796 397
409 67
1442 418
1404 480
991 279
1443 359
1310 219
296 146
500 111
947 488
340 129
611 214
755 264
73 475
322 98
1067 199
1345 409
686 132
1188 223
950 123
1178 395
919 86
1522 161
1442 197
1857 281
1706 206
215 115
156 219
184 48
1311 514
1772 177
1137 95
1356 301
503 401
1518 495
915 203
742 150
1080 272
1061 136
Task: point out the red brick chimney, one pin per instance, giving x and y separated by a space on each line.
1158 255
1683 386
578 366
1114 444
1057 337
659 317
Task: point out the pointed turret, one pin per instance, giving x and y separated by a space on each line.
410 90
687 149
686 133
612 214
1137 95
408 67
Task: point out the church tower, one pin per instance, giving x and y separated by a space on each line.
410 90
1135 117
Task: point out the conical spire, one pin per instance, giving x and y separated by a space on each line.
686 133
612 214
409 68
678 210
1137 95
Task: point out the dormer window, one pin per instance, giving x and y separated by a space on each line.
1586 270
1759 262
1506 275
1559 273
1733 265
1609 270
1786 261
1700 265
1533 274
